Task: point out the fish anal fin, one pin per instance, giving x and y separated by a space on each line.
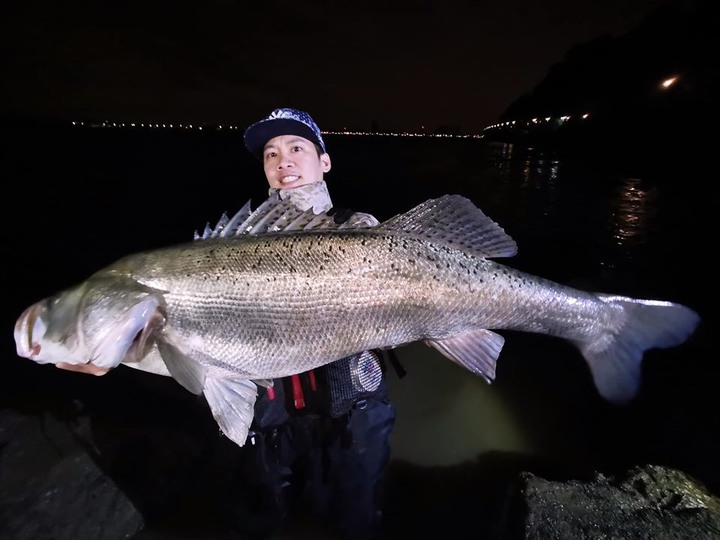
476 351
183 368
232 403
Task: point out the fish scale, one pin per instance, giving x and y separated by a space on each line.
416 288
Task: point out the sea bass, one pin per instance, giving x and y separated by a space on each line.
235 309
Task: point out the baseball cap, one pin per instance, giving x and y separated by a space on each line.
283 121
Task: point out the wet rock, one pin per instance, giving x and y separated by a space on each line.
646 502
136 475
52 489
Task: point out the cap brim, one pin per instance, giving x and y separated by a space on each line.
257 135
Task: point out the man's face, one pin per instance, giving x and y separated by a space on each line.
291 161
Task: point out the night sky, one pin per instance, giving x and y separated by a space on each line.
404 64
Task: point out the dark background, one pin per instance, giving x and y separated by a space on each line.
402 64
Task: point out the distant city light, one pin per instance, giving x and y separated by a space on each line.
222 127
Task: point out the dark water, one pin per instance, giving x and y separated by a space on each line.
78 199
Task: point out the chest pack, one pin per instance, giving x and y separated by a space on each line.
330 390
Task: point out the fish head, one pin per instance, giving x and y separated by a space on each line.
92 327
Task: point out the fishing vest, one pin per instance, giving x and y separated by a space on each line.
330 390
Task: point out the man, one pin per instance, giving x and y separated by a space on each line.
320 437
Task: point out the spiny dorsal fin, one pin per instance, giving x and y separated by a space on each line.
225 226
277 216
240 217
454 220
271 216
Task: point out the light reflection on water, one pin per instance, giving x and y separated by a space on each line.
605 216
630 215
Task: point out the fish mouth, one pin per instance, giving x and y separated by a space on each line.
24 329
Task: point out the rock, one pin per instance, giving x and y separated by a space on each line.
52 489
646 502
152 475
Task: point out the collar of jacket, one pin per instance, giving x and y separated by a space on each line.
315 196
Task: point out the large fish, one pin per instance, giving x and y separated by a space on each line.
234 309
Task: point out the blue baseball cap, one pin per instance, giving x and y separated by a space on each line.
282 122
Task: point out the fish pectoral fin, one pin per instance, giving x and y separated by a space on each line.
183 368
265 383
476 351
232 402
152 362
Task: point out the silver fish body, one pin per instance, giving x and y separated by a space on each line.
222 314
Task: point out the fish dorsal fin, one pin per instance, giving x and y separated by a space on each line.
454 220
237 220
284 216
271 216
226 226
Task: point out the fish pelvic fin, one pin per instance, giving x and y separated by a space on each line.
454 220
476 351
232 403
615 358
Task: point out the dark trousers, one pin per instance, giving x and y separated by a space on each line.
332 467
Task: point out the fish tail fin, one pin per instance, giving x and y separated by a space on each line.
615 357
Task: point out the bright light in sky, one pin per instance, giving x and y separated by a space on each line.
667 83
